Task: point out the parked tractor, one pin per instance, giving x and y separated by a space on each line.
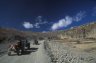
19 47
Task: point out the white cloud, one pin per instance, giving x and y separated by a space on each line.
68 20
79 16
44 22
37 25
27 25
62 23
39 21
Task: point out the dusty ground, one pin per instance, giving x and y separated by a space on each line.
71 52
36 54
87 46
55 52
3 48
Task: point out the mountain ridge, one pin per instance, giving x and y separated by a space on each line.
83 31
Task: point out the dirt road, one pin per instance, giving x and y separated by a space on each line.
36 54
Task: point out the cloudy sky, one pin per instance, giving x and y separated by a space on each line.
46 15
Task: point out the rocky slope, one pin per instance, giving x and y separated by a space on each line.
84 31
63 53
81 32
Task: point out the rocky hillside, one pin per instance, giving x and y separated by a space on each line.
84 31
80 32
9 35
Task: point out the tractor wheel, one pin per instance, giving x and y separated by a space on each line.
28 46
9 53
18 51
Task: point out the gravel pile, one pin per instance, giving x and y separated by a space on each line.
62 53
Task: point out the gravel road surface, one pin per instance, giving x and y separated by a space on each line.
36 54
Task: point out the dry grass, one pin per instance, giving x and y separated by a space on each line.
85 46
88 46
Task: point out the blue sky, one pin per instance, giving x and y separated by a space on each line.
46 15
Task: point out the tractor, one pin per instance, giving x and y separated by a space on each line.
19 47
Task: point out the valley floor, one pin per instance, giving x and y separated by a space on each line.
70 53
55 52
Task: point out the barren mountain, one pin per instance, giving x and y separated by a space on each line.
80 32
